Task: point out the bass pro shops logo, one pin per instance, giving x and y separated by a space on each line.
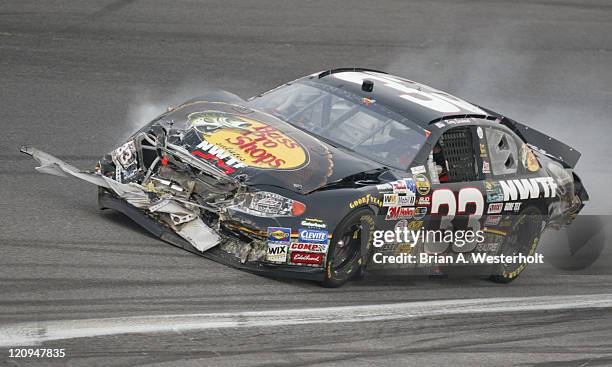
249 142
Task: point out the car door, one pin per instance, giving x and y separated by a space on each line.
456 198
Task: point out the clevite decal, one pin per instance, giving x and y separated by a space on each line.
312 235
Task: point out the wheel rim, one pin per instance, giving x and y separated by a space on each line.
347 247
522 242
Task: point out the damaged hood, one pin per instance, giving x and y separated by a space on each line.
240 141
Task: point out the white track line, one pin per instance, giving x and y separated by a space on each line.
32 333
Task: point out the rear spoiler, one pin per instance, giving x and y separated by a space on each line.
541 142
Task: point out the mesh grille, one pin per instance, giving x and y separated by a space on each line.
459 154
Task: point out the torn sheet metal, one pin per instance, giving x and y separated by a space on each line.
185 221
55 166
199 234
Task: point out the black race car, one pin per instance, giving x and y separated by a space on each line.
299 180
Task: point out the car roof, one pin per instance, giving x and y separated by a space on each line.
415 101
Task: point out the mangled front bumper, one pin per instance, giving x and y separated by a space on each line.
106 200
180 222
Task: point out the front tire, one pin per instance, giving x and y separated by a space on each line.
344 258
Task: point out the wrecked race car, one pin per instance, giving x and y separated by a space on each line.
295 181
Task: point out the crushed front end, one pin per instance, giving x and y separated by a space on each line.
168 180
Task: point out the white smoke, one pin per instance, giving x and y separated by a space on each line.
558 94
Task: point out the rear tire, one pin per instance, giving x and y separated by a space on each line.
344 255
524 240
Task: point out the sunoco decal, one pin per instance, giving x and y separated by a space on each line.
279 234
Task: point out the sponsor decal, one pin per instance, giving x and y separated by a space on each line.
486 167
222 158
279 234
308 247
277 252
524 189
433 172
512 207
312 236
240 140
399 212
384 187
487 247
399 187
406 200
529 160
424 200
418 169
410 186
479 133
390 199
415 224
495 208
492 220
299 257
422 184
494 192
458 121
365 200
419 212
367 101
483 150
314 223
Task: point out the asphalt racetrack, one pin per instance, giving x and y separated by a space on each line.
77 77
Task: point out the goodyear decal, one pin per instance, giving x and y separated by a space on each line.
365 200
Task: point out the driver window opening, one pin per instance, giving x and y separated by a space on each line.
454 157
